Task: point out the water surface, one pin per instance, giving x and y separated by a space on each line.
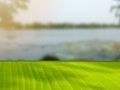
34 44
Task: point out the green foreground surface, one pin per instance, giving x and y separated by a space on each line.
59 75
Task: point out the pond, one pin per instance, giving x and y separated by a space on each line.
67 44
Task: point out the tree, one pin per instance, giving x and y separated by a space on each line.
117 10
8 8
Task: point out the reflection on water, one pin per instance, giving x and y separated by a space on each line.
66 44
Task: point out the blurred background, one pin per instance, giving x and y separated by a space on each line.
60 29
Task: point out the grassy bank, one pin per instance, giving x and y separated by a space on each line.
59 75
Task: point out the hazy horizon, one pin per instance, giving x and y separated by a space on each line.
74 11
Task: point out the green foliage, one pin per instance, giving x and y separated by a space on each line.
30 75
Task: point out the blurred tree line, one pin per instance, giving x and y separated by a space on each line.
69 25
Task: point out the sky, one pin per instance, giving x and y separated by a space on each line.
73 11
